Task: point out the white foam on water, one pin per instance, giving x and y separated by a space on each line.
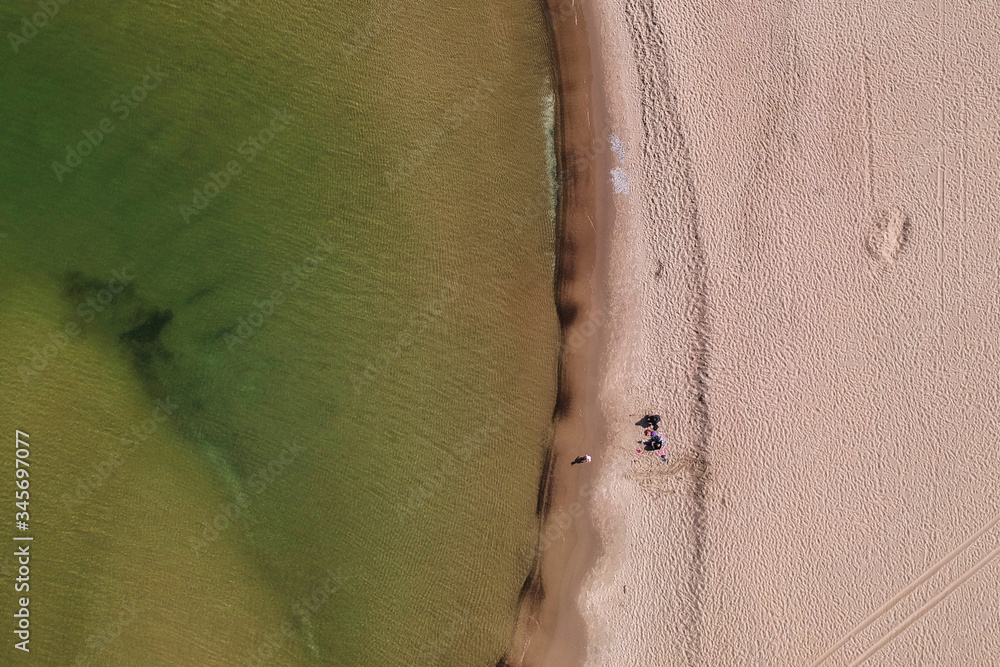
551 162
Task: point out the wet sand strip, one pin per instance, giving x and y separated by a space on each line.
550 630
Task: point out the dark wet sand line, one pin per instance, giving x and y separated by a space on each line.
540 599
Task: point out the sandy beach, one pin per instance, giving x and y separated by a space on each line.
800 277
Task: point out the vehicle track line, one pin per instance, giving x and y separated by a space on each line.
878 613
912 618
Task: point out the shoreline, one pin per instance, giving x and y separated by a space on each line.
550 630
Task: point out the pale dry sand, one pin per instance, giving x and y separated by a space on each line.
804 284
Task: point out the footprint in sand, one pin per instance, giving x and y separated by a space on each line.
659 481
888 235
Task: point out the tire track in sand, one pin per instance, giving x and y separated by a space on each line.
930 604
912 586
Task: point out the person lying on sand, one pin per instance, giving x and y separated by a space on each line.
581 459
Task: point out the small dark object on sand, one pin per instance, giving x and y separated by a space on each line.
581 459
649 421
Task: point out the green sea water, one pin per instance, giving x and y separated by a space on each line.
276 307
